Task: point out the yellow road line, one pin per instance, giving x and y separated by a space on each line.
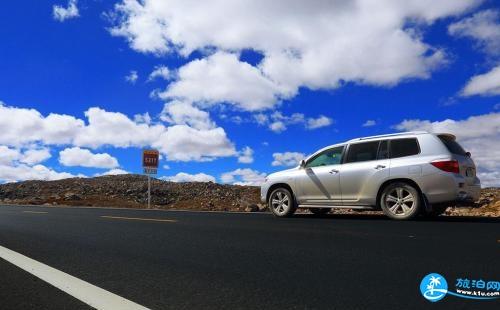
138 219
36 212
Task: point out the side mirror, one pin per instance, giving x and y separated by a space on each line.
302 163
468 154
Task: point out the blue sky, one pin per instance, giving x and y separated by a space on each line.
310 83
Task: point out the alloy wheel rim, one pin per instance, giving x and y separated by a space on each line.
280 202
400 202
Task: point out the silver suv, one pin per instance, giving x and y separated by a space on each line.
403 174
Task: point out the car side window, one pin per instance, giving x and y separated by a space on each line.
404 147
328 157
365 151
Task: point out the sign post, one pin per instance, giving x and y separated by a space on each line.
150 161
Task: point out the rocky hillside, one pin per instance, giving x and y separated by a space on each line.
131 191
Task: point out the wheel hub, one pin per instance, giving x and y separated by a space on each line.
280 202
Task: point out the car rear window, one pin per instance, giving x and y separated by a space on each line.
404 147
362 152
452 145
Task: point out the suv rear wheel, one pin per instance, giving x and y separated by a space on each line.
281 202
400 201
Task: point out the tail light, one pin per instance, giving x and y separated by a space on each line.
447 165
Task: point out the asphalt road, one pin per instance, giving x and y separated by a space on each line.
244 261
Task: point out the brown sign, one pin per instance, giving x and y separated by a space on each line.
150 158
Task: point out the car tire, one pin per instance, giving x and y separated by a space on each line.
400 201
281 202
319 211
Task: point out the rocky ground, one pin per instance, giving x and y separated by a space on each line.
131 191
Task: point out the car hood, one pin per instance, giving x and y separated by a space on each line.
281 173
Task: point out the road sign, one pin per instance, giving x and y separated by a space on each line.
150 158
150 170
150 161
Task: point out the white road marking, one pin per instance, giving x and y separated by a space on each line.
137 219
92 295
36 212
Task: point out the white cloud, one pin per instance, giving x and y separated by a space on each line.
76 156
261 118
288 159
246 156
277 126
184 113
490 179
295 118
53 129
17 165
369 123
483 27
318 45
132 77
22 172
30 156
61 13
478 134
184 143
245 176
179 142
186 177
143 118
321 121
160 72
236 119
8 155
221 77
278 122
115 171
35 155
114 129
487 84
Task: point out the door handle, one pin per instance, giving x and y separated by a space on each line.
380 167
333 171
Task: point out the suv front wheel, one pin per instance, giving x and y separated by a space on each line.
400 201
281 202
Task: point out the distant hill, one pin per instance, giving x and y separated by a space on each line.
130 191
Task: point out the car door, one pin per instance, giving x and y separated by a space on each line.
365 168
318 181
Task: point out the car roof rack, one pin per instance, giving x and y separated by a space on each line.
390 135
